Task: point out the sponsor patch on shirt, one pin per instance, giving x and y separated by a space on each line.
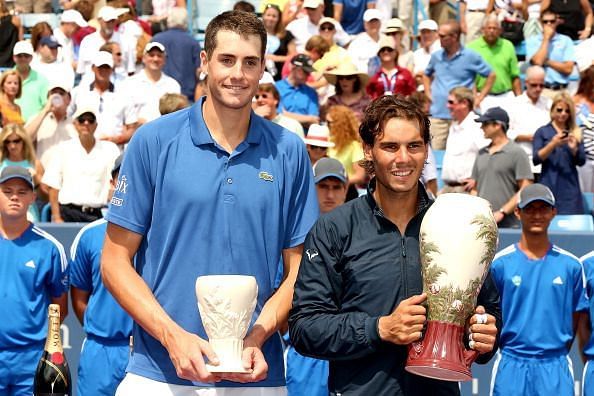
557 281
266 176
517 280
30 264
311 253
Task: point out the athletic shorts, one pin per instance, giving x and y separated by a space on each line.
515 375
134 385
102 366
17 369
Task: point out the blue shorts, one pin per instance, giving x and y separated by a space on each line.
17 369
516 375
588 379
102 366
305 375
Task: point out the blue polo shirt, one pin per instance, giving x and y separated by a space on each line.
588 263
300 99
33 269
103 317
560 49
533 292
459 70
203 211
352 14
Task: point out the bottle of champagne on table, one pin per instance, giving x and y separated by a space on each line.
52 377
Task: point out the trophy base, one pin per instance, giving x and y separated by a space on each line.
227 369
441 354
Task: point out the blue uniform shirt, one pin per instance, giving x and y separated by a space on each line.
103 317
33 269
535 292
299 99
588 263
560 49
203 211
459 70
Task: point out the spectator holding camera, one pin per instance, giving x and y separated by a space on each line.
558 147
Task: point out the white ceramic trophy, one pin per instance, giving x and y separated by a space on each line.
226 304
457 244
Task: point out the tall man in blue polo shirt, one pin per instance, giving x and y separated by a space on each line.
211 189
104 356
553 51
539 283
297 99
33 274
452 66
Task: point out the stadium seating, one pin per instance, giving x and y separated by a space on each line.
588 198
572 223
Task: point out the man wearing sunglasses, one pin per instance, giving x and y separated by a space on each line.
531 101
267 100
554 52
79 173
501 169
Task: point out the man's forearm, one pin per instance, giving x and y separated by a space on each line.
275 312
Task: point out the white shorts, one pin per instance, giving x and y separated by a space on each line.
134 385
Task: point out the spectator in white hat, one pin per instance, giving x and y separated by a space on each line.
317 142
394 28
428 44
51 125
303 28
146 87
365 45
34 93
70 22
116 117
350 14
90 45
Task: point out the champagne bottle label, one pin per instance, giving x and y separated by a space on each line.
52 377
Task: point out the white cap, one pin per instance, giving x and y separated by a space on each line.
23 47
108 13
266 78
103 58
73 16
372 13
312 3
59 83
80 110
329 20
428 24
154 44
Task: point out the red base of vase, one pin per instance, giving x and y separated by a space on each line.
441 354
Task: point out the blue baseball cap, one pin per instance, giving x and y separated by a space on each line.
16 172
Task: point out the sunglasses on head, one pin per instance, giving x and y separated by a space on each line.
272 6
86 119
14 141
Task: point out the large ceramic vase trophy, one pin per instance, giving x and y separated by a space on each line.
458 241
226 304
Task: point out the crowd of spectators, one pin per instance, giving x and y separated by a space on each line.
323 67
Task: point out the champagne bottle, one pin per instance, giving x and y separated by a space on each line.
52 377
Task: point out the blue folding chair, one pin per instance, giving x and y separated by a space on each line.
572 223
46 213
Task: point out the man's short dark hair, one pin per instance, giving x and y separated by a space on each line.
380 111
243 23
